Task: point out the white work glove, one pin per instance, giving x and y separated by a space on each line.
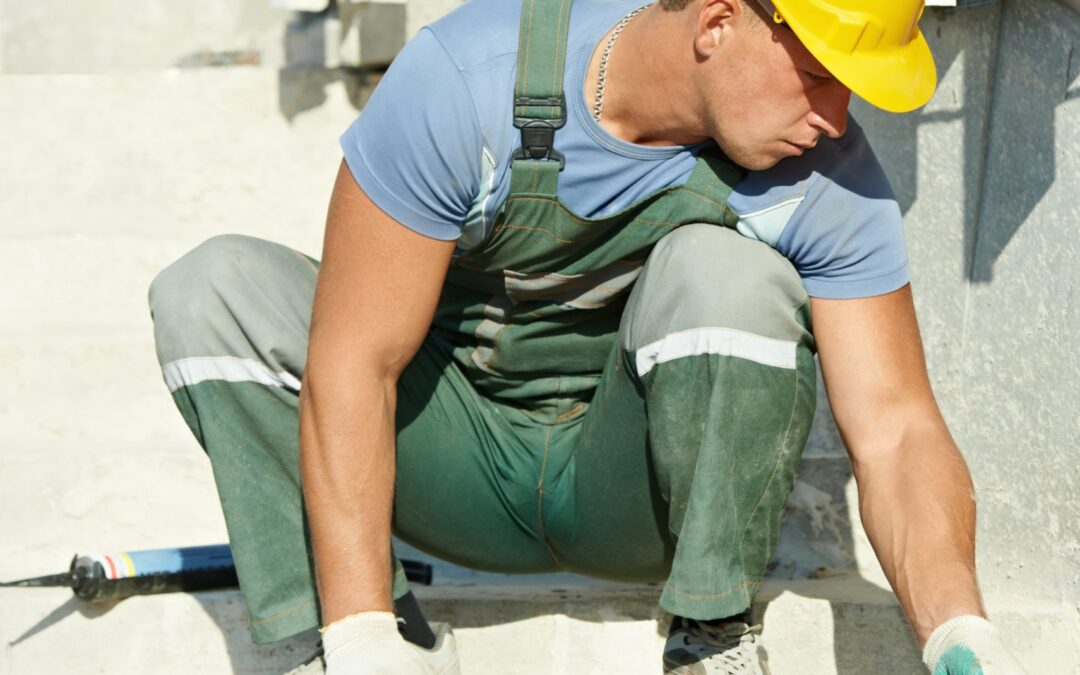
968 645
369 644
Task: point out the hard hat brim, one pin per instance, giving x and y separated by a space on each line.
897 80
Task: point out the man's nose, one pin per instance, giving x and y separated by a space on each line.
829 112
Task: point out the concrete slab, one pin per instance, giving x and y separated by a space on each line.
91 393
204 633
179 154
840 626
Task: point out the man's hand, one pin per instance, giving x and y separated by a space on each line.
369 644
915 493
968 645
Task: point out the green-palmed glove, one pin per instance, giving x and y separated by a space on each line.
968 645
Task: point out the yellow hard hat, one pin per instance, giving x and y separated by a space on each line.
874 47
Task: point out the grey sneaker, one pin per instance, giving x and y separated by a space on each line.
313 666
714 648
442 659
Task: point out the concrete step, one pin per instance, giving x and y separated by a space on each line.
840 625
61 499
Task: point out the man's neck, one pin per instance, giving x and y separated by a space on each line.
647 91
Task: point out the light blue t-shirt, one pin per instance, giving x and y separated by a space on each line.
432 149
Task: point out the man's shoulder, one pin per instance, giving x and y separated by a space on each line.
479 31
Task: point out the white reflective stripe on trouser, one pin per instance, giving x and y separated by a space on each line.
722 341
196 369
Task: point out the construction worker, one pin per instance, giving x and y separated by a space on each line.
562 321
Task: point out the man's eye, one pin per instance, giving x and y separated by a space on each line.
817 76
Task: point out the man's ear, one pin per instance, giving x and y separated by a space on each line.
715 19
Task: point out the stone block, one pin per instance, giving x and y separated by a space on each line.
423 12
110 36
103 36
382 29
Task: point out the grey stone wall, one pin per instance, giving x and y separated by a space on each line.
987 177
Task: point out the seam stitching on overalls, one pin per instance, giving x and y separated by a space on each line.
779 458
656 223
556 80
642 221
528 39
494 349
712 183
713 596
541 231
586 221
284 612
570 413
540 495
706 198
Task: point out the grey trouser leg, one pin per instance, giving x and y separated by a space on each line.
688 452
231 320
231 323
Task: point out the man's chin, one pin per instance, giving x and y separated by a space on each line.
754 158
757 163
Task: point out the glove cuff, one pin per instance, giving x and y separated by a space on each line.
362 628
967 629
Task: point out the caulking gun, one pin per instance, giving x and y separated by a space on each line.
99 578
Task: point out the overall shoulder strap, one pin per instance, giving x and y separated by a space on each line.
539 101
714 176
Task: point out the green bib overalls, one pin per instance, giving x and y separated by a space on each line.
624 397
532 310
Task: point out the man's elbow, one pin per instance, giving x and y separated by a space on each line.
903 438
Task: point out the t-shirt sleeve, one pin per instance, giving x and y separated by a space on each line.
847 236
416 148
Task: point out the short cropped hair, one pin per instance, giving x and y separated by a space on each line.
676 5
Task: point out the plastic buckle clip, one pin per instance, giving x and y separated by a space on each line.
538 135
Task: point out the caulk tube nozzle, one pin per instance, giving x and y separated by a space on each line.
63 580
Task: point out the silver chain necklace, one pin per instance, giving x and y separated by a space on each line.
598 102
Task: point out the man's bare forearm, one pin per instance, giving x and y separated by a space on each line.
917 506
378 286
347 464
